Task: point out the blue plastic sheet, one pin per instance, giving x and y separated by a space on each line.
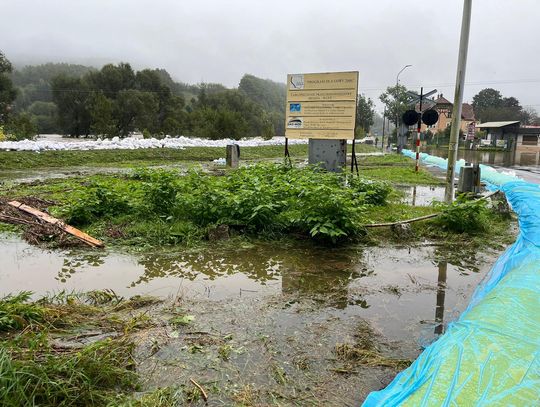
490 356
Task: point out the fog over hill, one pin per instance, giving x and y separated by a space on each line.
216 41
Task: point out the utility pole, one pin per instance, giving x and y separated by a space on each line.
400 146
418 129
383 125
458 99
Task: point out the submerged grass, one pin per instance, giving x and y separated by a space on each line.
90 376
405 175
43 362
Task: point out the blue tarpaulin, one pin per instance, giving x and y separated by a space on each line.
490 356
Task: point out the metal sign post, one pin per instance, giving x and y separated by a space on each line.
418 129
458 99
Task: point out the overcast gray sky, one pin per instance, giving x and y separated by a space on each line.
219 41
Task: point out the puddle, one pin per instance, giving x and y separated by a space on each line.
278 311
401 290
419 195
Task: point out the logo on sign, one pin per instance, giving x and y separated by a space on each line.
297 82
295 107
295 123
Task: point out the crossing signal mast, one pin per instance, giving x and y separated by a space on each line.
428 117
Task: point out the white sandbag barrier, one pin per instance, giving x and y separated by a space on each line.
54 142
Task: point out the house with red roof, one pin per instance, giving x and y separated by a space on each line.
444 108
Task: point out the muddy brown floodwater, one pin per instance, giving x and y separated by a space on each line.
273 322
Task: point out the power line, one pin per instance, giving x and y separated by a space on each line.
475 83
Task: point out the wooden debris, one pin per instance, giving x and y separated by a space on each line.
89 240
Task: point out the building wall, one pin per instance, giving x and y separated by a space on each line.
527 148
443 123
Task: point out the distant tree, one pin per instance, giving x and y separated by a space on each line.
270 96
34 83
20 126
43 114
101 111
530 116
7 92
487 98
135 110
395 100
112 79
490 105
71 96
365 112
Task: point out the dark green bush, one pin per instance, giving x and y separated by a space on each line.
96 201
260 199
464 216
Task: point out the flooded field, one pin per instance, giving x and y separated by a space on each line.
282 312
398 287
524 165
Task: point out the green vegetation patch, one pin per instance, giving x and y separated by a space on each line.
139 157
18 160
264 199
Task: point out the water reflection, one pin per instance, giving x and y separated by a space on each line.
498 158
441 292
76 261
421 195
392 286
321 274
210 264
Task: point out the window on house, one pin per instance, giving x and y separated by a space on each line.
530 140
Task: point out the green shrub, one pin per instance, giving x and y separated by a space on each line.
372 192
96 201
260 199
464 216
159 188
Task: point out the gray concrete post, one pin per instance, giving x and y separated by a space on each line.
233 155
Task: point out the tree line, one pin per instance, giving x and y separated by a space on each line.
116 100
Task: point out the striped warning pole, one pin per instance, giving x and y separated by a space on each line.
418 132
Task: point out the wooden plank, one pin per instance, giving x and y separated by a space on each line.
57 222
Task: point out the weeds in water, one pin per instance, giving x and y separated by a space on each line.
348 352
52 352
365 350
91 376
16 312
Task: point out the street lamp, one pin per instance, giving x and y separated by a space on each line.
397 104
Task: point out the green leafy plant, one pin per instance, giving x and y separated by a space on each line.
264 199
96 201
464 216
